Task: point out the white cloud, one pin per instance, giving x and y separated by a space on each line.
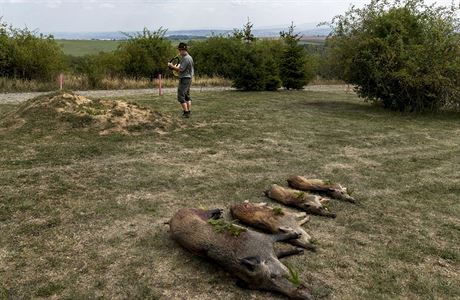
106 5
53 3
210 9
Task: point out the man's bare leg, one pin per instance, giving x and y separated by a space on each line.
189 105
185 106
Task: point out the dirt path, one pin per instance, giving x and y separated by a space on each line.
20 97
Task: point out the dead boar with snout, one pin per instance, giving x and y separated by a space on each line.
274 220
312 204
333 190
247 254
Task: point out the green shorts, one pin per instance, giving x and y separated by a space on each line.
183 90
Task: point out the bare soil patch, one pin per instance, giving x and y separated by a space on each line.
103 115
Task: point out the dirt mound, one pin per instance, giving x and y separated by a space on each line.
105 116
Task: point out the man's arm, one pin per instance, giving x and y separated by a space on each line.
184 64
173 67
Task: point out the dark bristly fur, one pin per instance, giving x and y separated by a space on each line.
250 256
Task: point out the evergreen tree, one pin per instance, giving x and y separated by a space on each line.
293 69
245 34
249 72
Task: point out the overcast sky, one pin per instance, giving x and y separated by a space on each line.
125 15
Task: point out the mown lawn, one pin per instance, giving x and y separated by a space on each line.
82 216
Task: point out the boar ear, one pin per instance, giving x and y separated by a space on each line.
250 262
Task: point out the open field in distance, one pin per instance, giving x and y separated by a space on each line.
84 47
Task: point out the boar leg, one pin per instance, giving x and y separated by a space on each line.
308 246
283 237
304 221
289 252
300 215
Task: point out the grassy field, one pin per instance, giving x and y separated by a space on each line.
82 215
83 47
320 41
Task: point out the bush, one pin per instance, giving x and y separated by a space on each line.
96 67
404 54
215 56
146 54
26 55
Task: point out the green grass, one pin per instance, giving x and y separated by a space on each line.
222 226
320 41
294 276
82 215
84 47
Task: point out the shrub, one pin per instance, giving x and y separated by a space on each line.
145 55
404 54
215 56
26 55
97 67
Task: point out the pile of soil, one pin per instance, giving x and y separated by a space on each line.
104 116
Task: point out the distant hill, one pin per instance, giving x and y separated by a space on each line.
308 29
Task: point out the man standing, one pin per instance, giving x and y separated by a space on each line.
186 72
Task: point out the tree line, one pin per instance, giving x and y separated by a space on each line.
403 54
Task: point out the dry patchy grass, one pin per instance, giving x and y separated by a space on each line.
82 215
72 82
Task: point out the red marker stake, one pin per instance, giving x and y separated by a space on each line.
160 89
61 81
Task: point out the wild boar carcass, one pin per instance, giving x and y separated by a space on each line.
328 188
274 220
312 204
248 255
